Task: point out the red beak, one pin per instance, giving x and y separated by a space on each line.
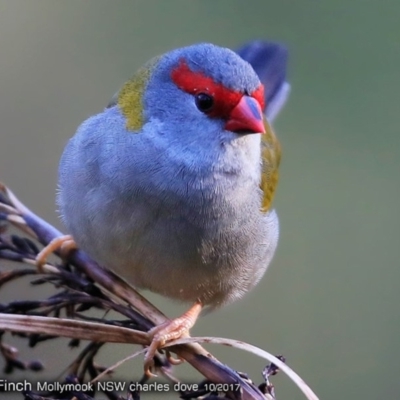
246 117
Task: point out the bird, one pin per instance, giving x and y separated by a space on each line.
171 185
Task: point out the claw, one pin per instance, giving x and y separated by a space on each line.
65 243
167 332
173 360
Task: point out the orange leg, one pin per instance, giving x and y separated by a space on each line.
65 243
170 330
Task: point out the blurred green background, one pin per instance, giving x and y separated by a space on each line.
330 300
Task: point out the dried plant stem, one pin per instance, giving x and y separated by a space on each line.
71 328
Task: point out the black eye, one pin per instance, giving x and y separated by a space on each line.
204 102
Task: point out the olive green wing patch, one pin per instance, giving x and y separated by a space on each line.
271 157
130 96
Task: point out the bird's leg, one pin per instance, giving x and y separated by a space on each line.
65 243
170 330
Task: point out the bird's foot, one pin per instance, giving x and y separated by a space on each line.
65 243
170 330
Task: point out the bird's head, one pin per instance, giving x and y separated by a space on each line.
200 88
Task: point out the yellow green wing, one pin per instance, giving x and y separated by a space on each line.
271 157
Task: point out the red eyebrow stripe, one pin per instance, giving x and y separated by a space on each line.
258 94
196 82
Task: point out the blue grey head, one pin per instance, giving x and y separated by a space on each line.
201 88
